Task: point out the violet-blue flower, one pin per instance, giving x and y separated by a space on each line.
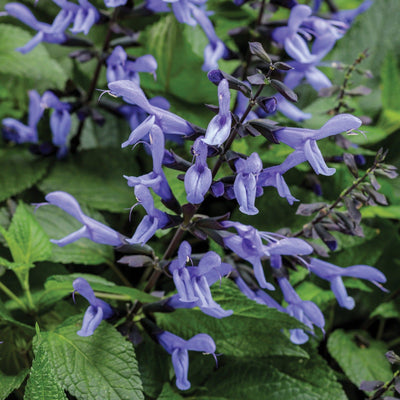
334 274
60 120
120 68
154 220
193 283
91 229
168 122
220 126
245 185
178 348
16 131
248 245
305 145
46 33
305 311
97 310
198 177
85 17
114 3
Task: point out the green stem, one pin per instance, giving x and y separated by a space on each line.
115 296
120 275
13 296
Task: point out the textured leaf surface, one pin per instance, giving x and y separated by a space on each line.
101 366
42 384
169 394
19 170
95 178
57 224
360 361
27 240
9 383
41 66
275 378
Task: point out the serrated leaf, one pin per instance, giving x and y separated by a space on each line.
57 224
9 383
101 366
19 170
42 68
27 240
95 178
275 378
359 361
42 384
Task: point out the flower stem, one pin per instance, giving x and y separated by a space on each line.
13 296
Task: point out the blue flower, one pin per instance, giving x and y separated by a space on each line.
168 122
60 120
91 229
178 348
46 33
193 283
220 126
120 68
304 141
114 3
334 274
248 245
305 311
96 312
154 220
245 185
85 17
16 131
198 177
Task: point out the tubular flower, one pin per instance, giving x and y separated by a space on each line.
305 311
304 141
97 310
245 186
154 220
91 229
220 126
198 177
178 348
334 274
193 283
16 131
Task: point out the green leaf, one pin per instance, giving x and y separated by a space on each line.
169 394
57 224
42 384
386 310
275 378
27 240
389 212
9 383
390 79
19 170
61 285
363 361
42 68
181 75
95 178
101 366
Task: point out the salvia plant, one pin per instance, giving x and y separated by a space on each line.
196 196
